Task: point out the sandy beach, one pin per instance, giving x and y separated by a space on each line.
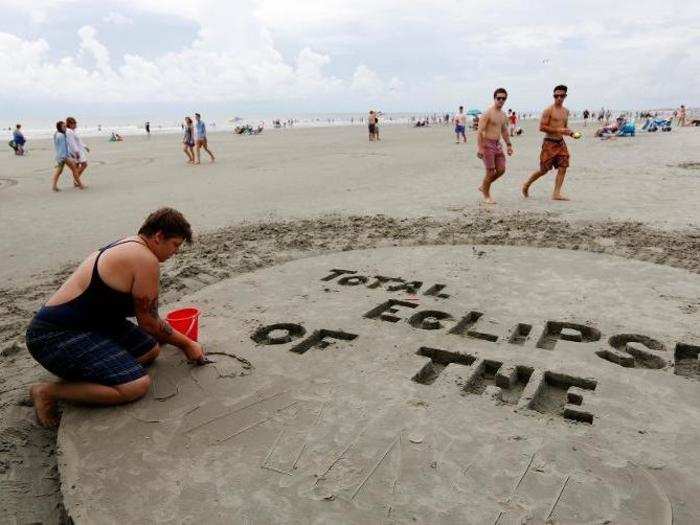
288 195
306 173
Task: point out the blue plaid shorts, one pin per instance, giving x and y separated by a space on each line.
107 357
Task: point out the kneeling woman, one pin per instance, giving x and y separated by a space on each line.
82 334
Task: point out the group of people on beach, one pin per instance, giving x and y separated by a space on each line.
70 151
494 124
195 135
82 334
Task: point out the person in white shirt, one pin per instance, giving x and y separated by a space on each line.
77 149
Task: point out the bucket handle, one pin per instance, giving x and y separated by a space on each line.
194 320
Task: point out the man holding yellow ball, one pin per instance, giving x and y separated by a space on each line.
554 124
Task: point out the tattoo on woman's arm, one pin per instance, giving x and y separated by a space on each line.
147 306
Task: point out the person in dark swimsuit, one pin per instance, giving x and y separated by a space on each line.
82 334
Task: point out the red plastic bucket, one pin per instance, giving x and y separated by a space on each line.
185 321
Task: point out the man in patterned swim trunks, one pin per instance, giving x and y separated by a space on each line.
554 124
492 126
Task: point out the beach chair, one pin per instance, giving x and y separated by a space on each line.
627 130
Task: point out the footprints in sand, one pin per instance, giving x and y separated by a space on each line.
6 183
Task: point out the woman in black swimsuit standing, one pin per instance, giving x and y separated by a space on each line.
82 334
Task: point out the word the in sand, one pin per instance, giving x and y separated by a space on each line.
525 387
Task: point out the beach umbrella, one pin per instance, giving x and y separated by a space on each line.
474 112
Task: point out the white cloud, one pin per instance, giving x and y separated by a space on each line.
366 81
117 19
412 54
89 45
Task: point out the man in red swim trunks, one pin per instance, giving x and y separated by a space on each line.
554 124
492 126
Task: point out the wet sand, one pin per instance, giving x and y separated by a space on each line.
287 195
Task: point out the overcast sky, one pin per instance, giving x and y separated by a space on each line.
300 56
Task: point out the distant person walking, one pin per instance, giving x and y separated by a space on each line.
63 157
372 123
18 140
77 149
681 116
512 122
188 140
460 122
586 115
555 125
148 128
492 126
201 138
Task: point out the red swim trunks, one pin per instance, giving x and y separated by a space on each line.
554 155
493 155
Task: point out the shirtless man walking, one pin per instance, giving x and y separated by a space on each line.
460 122
372 125
492 126
555 125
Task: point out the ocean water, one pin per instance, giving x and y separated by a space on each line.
103 127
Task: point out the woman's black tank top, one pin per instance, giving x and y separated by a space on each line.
99 306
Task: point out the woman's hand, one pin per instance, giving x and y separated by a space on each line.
194 351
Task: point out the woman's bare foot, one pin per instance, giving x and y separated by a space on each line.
486 197
44 405
55 189
560 198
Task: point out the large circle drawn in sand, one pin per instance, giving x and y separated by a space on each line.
136 161
451 384
66 170
6 183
